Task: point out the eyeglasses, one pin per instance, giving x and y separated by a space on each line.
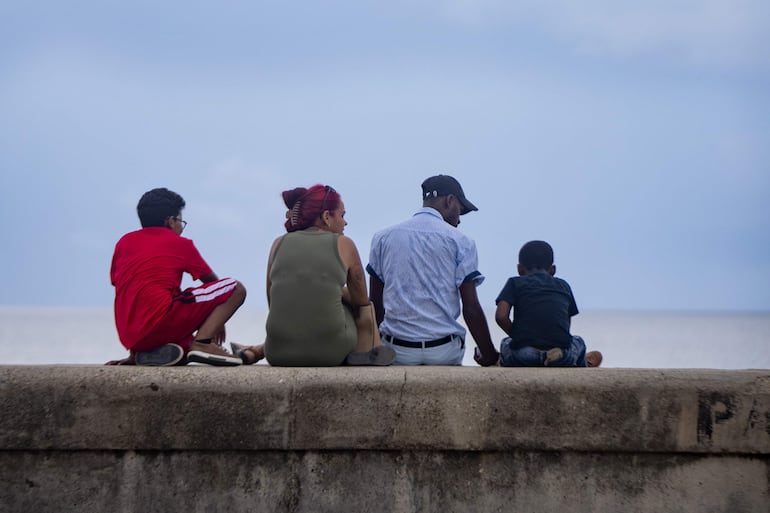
184 223
329 189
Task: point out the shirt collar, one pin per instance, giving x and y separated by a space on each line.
430 211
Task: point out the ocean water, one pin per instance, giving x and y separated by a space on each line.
709 340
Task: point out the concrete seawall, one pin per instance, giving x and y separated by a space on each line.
393 439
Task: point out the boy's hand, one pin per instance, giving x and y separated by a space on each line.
485 360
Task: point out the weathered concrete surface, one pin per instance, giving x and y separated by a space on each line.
380 481
383 439
385 408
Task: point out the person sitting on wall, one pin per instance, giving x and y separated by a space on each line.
542 305
319 311
157 321
422 271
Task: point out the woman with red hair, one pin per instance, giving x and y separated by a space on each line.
320 314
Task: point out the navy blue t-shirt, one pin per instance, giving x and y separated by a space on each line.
542 308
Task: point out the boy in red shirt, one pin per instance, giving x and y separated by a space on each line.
155 319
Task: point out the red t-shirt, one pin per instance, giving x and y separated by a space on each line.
147 269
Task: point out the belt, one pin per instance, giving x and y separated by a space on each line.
419 345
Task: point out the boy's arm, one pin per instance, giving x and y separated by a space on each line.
477 324
206 278
503 316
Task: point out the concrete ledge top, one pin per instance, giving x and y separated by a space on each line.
391 408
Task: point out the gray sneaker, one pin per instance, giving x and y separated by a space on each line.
163 356
380 355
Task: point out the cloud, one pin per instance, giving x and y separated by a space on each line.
725 33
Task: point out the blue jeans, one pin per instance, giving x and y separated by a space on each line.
527 356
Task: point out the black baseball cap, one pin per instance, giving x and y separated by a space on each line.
444 185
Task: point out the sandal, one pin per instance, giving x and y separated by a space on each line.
247 354
379 355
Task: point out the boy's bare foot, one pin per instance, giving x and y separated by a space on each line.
552 355
594 358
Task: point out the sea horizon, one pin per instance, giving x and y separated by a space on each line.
716 339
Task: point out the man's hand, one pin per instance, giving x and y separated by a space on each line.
486 360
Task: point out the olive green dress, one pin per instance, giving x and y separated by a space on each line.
307 324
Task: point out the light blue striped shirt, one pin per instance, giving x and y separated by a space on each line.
422 262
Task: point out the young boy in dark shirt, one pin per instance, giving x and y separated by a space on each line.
543 305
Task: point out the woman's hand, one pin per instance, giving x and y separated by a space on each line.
346 295
354 308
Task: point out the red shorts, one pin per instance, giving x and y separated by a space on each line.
188 312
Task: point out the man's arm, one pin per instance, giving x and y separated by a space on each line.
477 324
375 295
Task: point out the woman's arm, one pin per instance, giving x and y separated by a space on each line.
356 282
270 266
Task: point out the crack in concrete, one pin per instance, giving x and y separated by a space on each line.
291 422
399 406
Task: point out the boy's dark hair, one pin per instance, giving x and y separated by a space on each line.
536 254
157 205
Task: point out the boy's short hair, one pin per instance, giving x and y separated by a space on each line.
536 254
157 205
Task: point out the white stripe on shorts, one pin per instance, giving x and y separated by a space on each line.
217 288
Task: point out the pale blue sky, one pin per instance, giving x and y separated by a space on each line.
634 136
